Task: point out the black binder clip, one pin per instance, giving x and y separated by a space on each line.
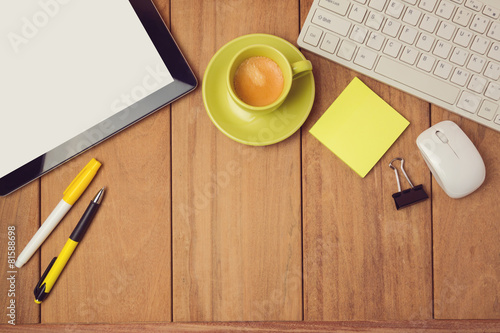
410 196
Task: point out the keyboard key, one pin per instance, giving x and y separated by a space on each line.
497 119
491 12
392 48
442 49
374 20
411 2
462 17
459 56
446 30
377 4
460 77
331 22
330 43
495 52
365 58
469 102
391 27
358 34
429 23
361 1
375 41
480 45
474 5
493 91
336 6
477 84
409 55
408 35
395 8
427 5
443 69
492 71
487 110
445 9
425 42
494 31
476 63
357 13
479 24
426 62
346 50
463 37
313 35
417 80
412 16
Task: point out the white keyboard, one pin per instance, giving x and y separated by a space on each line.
446 52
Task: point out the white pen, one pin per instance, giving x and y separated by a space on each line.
70 196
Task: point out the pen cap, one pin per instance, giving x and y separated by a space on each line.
80 183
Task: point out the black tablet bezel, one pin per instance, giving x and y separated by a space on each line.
184 82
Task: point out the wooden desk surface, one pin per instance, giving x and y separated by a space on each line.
196 227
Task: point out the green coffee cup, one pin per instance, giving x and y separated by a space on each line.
289 70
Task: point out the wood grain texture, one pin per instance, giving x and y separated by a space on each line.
427 326
240 224
20 209
120 271
236 209
466 236
363 259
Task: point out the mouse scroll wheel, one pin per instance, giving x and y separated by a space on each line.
442 137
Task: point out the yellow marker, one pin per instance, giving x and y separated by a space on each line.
71 195
56 266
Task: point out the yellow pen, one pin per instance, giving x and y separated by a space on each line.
70 196
56 266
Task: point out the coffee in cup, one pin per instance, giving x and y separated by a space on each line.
259 78
258 81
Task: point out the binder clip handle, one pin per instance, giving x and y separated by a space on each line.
404 198
402 169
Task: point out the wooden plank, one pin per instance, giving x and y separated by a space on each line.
20 210
363 259
236 209
428 326
466 233
121 270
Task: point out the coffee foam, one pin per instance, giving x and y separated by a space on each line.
258 81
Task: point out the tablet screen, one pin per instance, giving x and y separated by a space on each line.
67 66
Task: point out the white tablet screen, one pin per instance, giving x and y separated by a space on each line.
66 66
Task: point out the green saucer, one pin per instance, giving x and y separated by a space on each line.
249 128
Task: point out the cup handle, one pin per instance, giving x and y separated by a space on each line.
301 68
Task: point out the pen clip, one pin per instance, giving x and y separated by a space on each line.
39 290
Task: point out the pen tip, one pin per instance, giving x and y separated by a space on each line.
99 195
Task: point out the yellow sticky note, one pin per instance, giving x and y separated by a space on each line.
359 127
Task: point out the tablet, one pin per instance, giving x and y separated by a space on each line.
76 72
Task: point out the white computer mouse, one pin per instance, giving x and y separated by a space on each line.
453 159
